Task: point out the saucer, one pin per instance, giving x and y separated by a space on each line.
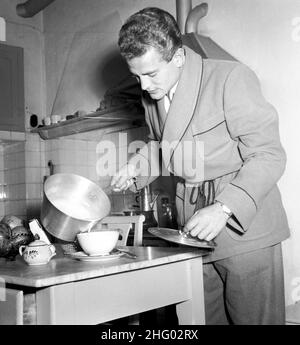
82 256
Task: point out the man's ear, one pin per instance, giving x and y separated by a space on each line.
179 57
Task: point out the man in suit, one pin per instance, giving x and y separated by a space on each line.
211 114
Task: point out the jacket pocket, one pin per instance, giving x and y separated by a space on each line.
215 139
208 124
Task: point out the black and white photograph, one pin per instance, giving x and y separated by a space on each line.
149 166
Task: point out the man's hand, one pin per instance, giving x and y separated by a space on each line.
124 178
207 222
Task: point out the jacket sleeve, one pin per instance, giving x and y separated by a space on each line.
253 123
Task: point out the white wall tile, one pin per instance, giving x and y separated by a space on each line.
80 157
2 209
32 137
16 147
15 176
92 174
53 156
67 169
17 136
65 157
17 192
34 175
91 158
92 145
17 208
81 145
4 135
67 145
34 191
33 146
53 144
44 163
81 170
33 208
33 159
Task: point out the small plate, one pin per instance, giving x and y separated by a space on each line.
84 257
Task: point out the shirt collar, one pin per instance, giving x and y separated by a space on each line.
172 91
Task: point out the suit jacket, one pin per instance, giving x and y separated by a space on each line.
220 121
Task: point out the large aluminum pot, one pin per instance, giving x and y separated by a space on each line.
72 204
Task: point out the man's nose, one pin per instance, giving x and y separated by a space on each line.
145 83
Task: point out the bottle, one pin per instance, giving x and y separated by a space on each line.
167 214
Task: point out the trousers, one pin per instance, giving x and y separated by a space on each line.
245 289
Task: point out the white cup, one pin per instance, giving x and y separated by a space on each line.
55 119
47 121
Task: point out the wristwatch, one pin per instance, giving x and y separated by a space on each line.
225 209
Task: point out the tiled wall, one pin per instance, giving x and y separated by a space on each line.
79 154
2 184
34 172
24 166
13 179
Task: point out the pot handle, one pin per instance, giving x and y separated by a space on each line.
21 250
137 198
52 249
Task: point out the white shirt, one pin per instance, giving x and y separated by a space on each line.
168 98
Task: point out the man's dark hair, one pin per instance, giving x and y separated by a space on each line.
150 27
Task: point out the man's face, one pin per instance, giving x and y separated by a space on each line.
156 75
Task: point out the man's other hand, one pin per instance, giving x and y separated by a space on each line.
207 222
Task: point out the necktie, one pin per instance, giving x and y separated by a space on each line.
167 101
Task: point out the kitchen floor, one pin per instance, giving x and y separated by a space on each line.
153 318
160 317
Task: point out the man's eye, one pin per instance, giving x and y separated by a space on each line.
136 78
152 75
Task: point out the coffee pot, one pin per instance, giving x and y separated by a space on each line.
146 203
145 200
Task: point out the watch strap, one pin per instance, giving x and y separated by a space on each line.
225 209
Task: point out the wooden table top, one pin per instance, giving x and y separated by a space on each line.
63 269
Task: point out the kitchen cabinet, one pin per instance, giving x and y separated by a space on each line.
293 314
11 88
67 291
11 307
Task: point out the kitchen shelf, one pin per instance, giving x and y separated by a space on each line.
129 115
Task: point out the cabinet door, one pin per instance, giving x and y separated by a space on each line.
11 307
12 112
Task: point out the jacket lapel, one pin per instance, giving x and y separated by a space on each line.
183 104
162 114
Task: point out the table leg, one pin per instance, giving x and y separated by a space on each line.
192 311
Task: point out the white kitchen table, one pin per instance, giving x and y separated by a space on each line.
68 291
